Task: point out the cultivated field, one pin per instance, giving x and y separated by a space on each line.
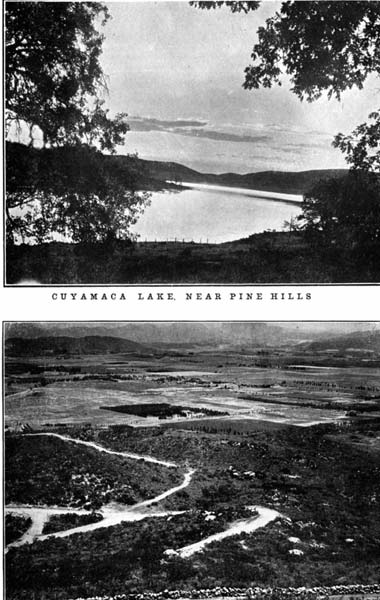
76 390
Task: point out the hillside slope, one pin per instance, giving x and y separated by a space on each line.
357 340
148 334
53 345
292 182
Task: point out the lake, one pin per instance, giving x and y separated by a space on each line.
214 213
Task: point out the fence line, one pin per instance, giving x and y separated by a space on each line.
178 241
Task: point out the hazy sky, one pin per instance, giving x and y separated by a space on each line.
178 73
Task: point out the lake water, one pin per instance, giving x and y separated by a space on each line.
214 213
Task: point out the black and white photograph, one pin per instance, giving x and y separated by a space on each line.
192 460
149 453
192 142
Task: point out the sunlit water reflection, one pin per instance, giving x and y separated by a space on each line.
214 214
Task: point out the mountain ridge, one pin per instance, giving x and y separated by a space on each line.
155 175
356 340
53 345
149 335
291 182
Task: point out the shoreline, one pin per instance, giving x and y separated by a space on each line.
295 199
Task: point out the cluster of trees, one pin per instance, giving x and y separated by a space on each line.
328 47
72 191
162 410
55 90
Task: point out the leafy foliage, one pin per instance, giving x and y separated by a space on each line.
362 146
322 46
329 47
162 410
245 7
53 74
346 210
55 86
73 191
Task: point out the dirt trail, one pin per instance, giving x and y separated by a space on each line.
114 514
143 457
39 515
262 518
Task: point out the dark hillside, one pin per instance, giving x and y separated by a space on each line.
291 182
152 333
69 345
358 340
136 173
270 257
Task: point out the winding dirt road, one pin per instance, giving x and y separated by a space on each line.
262 517
143 457
114 514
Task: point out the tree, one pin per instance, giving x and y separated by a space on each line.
361 146
322 46
292 224
346 211
55 86
327 47
53 74
74 191
235 7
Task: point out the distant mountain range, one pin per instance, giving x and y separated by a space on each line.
155 175
287 182
94 338
54 345
358 340
154 334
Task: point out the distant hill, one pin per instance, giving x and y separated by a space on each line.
154 175
151 334
287 182
357 340
54 345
